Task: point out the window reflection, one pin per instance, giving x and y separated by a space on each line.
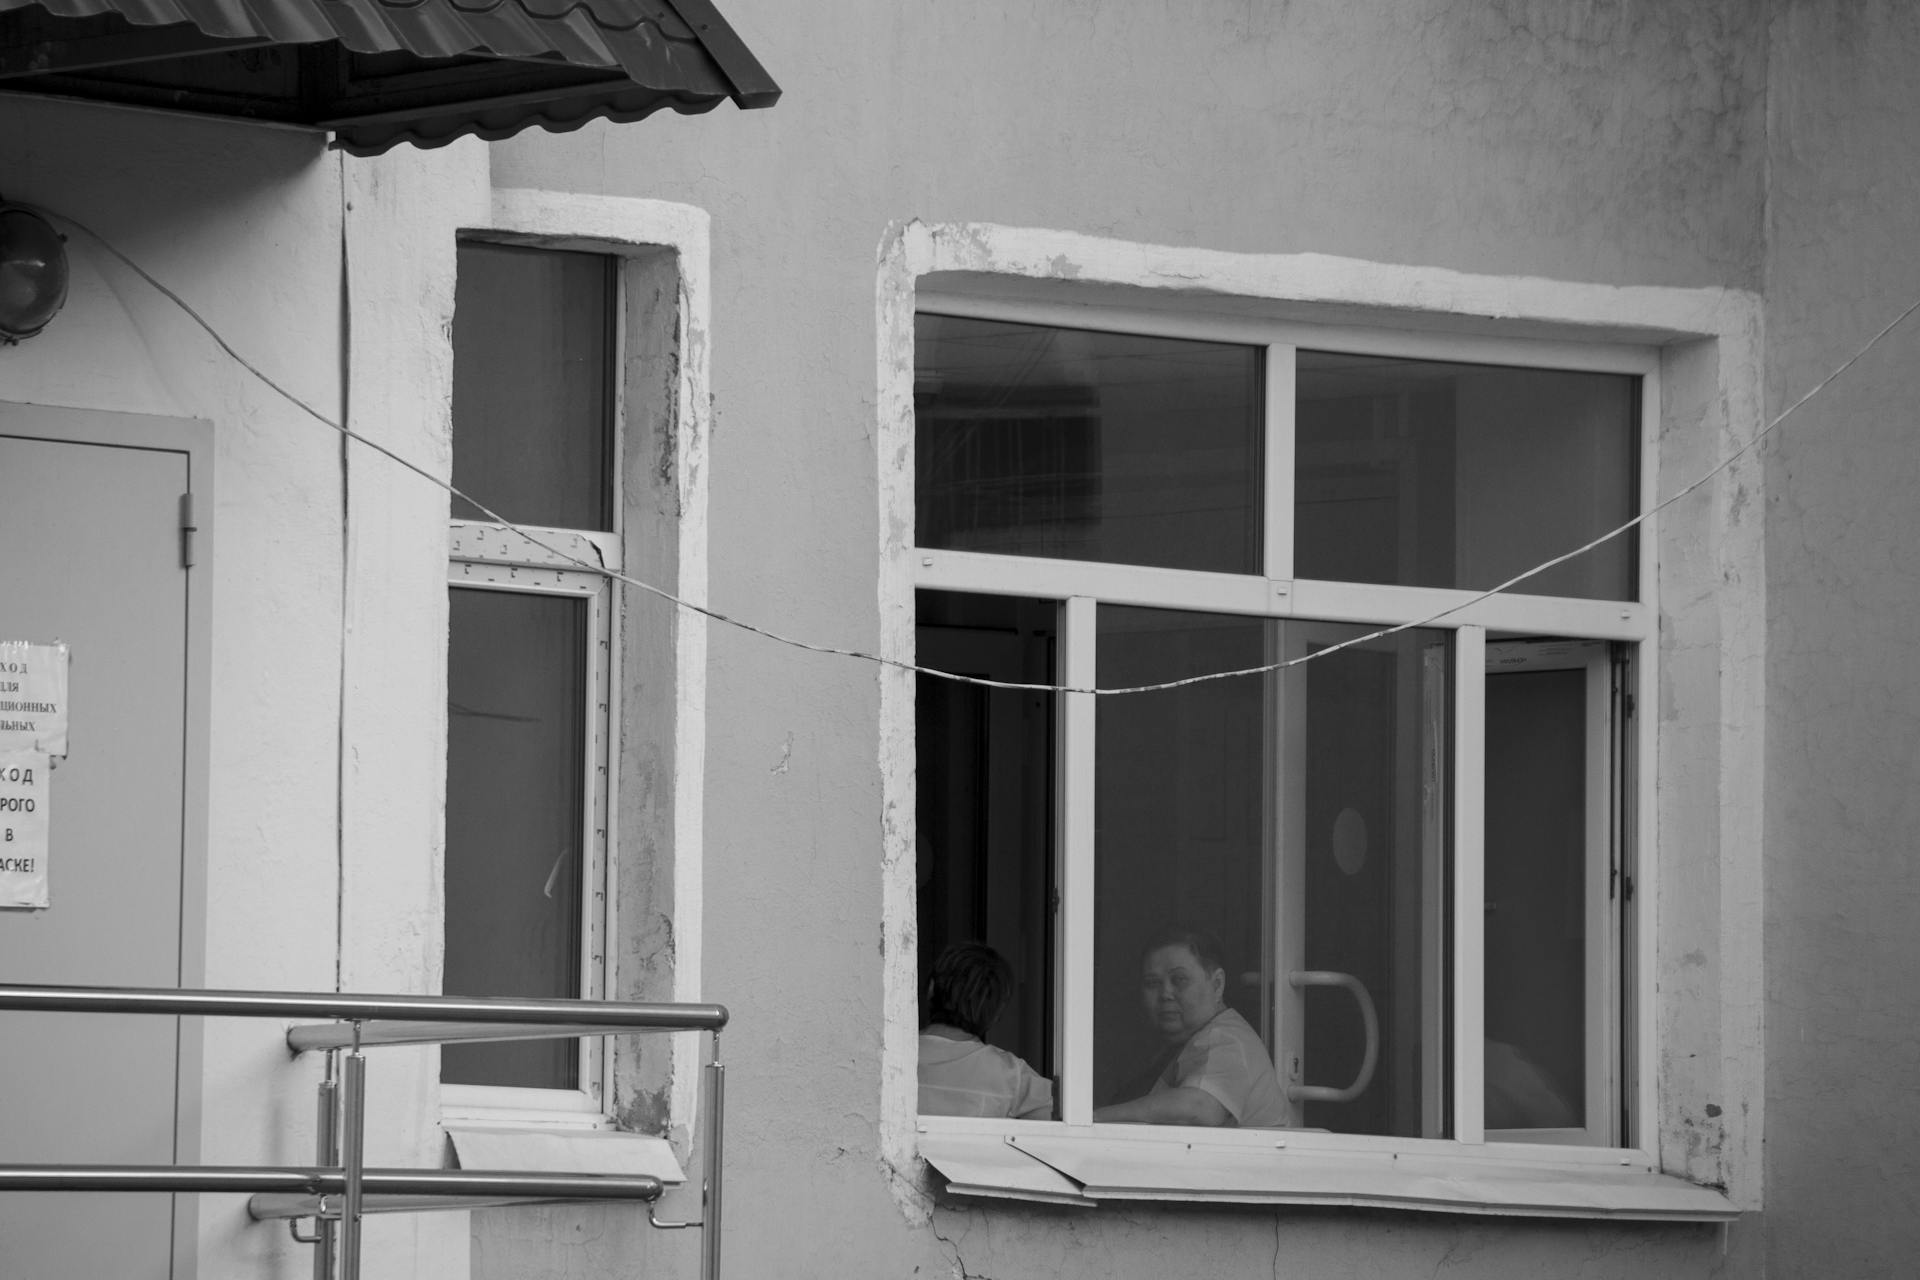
1078 445
516 672
1300 819
1421 473
532 385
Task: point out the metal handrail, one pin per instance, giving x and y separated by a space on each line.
601 1015
363 1021
339 1035
301 1181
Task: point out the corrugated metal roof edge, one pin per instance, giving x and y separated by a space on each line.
439 128
393 27
752 86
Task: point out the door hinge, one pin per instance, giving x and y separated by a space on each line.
187 529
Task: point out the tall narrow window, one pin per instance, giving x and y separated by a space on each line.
530 639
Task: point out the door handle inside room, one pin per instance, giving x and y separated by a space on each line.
1302 978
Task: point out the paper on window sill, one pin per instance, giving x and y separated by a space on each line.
978 1166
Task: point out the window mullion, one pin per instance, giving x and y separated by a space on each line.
595 939
1277 510
1077 810
1601 1103
1469 884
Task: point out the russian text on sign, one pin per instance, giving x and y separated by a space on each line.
33 677
23 829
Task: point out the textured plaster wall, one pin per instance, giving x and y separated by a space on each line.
1843 882
1600 141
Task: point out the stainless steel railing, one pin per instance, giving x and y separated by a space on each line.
335 1191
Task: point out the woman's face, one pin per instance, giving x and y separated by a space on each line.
1180 995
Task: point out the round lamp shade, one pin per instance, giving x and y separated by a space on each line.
33 273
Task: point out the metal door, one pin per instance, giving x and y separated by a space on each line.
93 556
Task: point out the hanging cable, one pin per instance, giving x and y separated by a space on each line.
899 664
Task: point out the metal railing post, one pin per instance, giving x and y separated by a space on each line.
339 1189
716 1126
326 1151
353 1125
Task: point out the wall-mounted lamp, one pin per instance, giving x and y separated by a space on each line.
33 273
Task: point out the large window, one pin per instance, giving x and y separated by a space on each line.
1380 891
531 639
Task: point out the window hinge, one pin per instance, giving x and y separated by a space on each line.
187 529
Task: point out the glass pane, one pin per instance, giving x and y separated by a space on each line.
1370 730
516 796
986 822
1289 823
1536 903
1418 473
532 382
1081 445
1182 830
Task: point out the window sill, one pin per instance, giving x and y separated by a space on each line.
487 1106
525 1150
1087 1166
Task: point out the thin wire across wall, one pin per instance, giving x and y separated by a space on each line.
899 664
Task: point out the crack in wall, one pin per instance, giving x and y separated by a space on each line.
961 1271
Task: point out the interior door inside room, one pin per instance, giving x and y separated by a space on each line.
92 526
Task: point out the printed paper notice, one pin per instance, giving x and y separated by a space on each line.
33 697
23 828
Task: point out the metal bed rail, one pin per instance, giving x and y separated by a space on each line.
335 1191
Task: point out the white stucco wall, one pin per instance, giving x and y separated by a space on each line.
321 867
245 224
1843 731
1593 144
1519 149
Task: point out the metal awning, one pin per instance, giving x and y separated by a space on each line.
382 72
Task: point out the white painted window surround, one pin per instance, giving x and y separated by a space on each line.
1697 834
655 668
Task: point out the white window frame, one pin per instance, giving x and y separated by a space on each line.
1075 281
1603 984
663 267
482 555
1278 594
534 571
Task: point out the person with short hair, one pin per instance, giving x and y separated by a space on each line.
1217 1071
960 1073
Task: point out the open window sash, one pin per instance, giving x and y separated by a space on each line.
1552 937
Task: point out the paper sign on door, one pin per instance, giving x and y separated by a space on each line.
23 828
33 697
